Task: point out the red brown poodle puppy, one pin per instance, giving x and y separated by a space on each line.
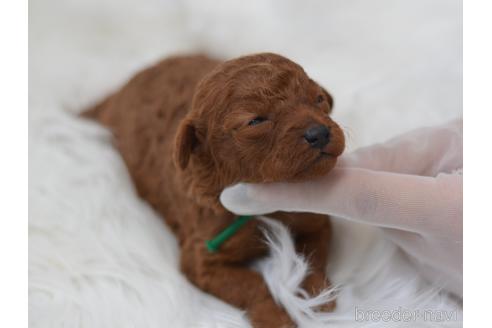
190 126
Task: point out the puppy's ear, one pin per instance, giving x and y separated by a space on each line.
328 98
184 144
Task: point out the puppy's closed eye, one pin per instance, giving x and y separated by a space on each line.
257 120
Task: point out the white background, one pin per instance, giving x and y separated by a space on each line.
14 100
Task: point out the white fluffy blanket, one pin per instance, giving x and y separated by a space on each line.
100 257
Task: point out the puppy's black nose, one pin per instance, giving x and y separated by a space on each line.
317 136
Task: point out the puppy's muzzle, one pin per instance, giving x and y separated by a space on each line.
317 136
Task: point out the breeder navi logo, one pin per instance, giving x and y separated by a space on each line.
404 315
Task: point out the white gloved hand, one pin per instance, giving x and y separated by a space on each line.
408 186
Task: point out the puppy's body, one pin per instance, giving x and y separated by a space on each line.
144 117
170 108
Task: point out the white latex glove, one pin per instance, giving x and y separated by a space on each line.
408 186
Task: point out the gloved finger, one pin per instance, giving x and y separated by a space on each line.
425 151
414 203
243 199
378 198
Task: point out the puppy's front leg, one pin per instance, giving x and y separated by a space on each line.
225 274
315 245
247 290
312 234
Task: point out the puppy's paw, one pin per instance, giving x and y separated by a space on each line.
314 284
328 307
267 314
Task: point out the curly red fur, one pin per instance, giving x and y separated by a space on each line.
183 129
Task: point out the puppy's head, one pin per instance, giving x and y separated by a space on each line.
259 118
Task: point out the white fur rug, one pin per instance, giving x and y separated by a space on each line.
100 257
